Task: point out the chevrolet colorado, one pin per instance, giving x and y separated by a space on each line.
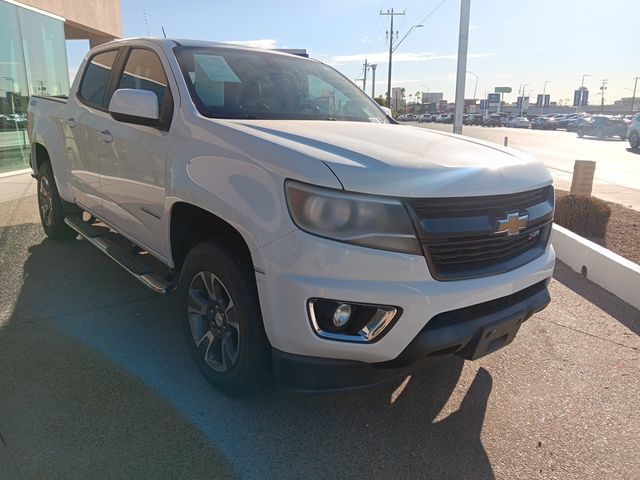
305 232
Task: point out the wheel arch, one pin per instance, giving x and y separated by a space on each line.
190 225
39 155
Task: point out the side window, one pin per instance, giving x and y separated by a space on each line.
144 71
96 78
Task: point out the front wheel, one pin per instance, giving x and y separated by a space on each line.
634 140
51 206
221 320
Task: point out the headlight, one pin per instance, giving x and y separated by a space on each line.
352 218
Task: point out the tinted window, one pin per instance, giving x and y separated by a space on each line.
144 71
96 78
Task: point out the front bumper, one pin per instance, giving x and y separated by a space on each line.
469 332
299 266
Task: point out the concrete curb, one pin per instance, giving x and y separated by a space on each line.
603 267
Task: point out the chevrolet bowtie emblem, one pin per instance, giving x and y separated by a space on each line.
513 223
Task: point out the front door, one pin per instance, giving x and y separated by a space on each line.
133 168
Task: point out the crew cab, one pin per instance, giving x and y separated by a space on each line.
303 232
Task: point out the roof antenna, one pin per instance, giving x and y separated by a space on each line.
146 23
164 34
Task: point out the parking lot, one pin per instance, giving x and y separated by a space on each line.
617 169
96 382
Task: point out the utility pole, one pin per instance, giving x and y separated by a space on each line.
463 42
633 99
373 80
364 79
602 89
391 14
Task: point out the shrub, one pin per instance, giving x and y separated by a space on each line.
586 216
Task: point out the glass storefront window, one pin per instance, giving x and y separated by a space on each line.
33 61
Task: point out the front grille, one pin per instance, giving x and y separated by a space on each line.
459 234
467 206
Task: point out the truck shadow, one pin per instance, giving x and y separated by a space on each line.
427 427
607 302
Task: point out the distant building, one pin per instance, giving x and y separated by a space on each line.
432 97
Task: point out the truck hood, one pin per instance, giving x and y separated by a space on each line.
399 160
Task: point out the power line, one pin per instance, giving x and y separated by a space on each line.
432 11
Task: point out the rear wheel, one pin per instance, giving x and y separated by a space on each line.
221 320
51 206
634 140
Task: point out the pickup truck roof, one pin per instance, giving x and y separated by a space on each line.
169 43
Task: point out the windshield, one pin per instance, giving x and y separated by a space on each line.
227 83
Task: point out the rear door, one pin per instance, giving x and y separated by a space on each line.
133 170
86 114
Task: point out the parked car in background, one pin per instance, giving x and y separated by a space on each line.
425 118
544 123
563 123
493 120
633 132
477 119
572 125
519 122
602 126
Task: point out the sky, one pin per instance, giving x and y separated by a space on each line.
511 42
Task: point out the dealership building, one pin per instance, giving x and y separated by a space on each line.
33 58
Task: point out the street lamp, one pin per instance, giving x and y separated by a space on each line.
522 98
475 88
544 91
633 99
393 49
581 89
406 35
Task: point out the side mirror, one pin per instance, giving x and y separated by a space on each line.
131 105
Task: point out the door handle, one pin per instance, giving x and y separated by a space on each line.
70 122
105 136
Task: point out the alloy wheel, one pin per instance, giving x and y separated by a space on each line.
45 198
213 320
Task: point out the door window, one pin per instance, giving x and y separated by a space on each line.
96 78
143 71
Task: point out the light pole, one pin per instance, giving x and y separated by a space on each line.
463 43
544 91
633 99
581 90
522 98
475 88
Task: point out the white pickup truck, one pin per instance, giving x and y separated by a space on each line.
306 233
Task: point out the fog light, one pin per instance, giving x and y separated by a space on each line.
342 315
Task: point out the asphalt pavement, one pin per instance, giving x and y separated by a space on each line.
96 382
617 176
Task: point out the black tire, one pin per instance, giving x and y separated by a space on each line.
580 132
52 207
224 331
634 140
